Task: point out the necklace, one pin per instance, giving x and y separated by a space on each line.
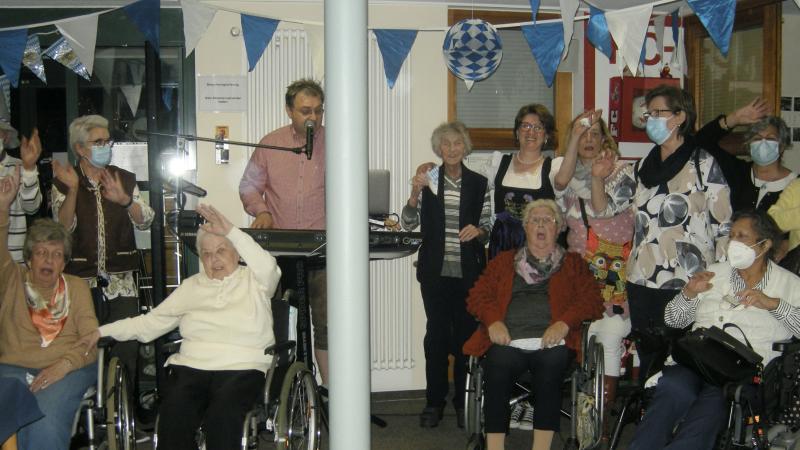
516 155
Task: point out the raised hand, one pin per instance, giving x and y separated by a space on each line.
603 165
113 190
749 113
66 174
585 121
9 186
698 283
216 222
30 150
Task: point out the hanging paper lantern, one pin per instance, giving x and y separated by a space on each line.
472 50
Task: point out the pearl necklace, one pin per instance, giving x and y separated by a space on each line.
516 156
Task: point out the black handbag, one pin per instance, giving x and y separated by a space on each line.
718 357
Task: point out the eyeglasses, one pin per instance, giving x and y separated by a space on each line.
541 220
656 113
525 126
101 142
43 253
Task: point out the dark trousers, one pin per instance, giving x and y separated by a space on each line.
504 365
681 394
127 351
216 399
647 313
448 327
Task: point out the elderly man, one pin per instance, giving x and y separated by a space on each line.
284 190
29 197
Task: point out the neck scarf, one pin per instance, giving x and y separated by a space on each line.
654 172
534 271
48 316
581 181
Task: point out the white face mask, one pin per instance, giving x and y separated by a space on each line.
740 255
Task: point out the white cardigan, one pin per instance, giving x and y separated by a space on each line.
762 327
226 324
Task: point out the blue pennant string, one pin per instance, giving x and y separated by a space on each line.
717 16
534 9
394 46
146 15
12 47
675 20
257 33
546 41
598 31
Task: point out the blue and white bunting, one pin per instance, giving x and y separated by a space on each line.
628 27
81 33
196 19
597 33
257 33
535 9
394 46
12 47
546 41
32 58
717 16
568 10
146 15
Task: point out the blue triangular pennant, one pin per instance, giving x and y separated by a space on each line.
12 47
394 46
598 31
257 33
717 16
546 41
675 20
534 9
146 15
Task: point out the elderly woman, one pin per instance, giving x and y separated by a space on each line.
100 205
452 204
599 213
750 291
42 314
29 197
225 319
530 303
681 202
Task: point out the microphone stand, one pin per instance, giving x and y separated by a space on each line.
189 137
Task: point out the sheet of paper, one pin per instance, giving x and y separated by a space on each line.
529 343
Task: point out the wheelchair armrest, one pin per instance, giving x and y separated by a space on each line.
277 348
105 342
788 346
172 347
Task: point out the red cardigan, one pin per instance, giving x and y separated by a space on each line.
573 296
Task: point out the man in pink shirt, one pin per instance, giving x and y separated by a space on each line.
285 190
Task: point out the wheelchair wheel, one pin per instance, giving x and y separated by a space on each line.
119 415
299 410
473 401
589 414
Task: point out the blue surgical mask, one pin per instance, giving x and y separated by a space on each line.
101 156
657 130
764 152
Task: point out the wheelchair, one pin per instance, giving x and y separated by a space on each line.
585 384
104 419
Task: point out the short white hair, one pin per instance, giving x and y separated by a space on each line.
79 129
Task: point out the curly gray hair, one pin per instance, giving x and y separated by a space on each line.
455 127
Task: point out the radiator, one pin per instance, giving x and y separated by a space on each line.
288 58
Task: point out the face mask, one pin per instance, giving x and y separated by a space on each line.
740 255
101 156
764 152
657 130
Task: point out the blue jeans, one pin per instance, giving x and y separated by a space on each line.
58 403
681 395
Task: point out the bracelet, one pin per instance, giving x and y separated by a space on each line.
128 205
725 123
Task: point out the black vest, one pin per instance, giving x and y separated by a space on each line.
432 222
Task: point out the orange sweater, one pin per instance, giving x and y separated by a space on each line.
573 298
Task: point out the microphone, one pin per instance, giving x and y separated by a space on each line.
309 138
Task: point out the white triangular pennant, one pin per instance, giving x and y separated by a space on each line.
316 44
658 24
81 33
469 84
568 10
628 27
132 93
104 67
196 19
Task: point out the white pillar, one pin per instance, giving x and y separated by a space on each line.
347 228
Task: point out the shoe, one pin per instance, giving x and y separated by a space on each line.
460 417
430 416
526 421
516 414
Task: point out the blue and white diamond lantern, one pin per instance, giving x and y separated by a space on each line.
472 50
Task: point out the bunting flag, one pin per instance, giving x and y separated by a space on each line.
5 86
546 41
196 19
628 28
598 31
81 33
32 58
535 9
132 95
568 10
257 33
12 48
717 16
104 67
62 52
394 46
146 15
316 43
658 25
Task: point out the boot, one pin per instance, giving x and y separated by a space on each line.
609 395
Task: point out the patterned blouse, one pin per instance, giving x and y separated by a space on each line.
678 224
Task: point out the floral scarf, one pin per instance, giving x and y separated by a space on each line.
48 316
534 271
